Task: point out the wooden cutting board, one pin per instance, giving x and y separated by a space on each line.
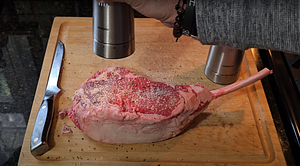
236 129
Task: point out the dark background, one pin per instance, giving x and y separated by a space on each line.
24 31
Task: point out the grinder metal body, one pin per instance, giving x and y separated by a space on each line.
223 64
113 30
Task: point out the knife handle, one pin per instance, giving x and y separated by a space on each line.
39 138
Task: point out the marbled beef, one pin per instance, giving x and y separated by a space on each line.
116 106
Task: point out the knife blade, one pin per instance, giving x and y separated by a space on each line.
40 133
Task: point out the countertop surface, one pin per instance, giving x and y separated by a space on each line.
24 31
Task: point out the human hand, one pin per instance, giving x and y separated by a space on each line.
162 10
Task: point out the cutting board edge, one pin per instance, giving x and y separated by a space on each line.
47 62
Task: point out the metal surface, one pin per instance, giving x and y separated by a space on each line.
52 88
113 30
223 64
286 96
39 138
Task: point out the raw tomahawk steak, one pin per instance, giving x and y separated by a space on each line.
116 106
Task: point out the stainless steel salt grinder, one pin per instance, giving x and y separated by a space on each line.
113 30
223 64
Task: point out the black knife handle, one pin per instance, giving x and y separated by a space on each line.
39 138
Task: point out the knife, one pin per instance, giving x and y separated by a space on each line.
39 138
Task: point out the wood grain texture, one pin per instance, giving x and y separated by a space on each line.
236 129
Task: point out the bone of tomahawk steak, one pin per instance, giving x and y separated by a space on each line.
116 106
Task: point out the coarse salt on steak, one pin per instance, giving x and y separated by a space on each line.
116 106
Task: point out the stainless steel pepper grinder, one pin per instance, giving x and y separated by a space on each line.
113 29
223 64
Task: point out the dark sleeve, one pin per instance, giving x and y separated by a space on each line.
243 24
